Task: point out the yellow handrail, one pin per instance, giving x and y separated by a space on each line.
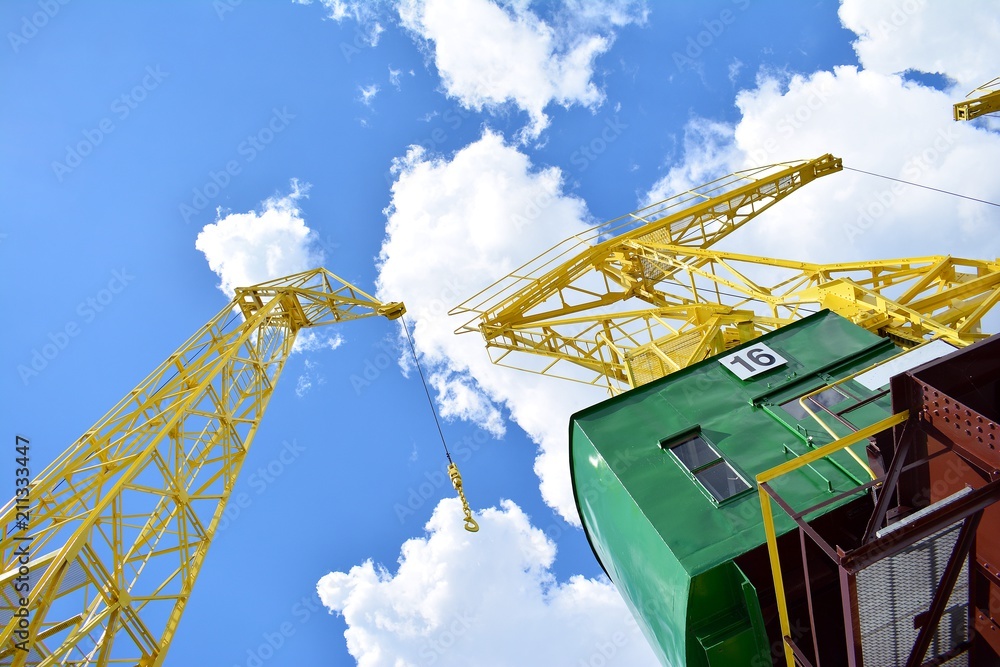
765 507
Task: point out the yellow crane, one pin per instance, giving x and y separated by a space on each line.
645 295
986 100
102 549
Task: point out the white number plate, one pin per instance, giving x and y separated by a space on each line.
752 360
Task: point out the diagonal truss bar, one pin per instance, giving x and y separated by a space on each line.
695 219
120 523
623 310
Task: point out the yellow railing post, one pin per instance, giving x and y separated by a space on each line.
770 532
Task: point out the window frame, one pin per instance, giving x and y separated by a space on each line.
669 444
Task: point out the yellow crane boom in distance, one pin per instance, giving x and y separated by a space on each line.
118 526
645 295
986 100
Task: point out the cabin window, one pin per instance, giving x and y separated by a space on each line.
700 458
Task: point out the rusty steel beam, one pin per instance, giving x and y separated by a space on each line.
858 559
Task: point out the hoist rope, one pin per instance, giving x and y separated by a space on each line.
456 477
926 187
427 392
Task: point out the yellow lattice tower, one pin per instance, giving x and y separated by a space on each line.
120 523
644 295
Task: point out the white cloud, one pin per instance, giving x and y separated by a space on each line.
594 14
487 599
368 94
303 385
880 124
877 122
248 248
311 340
735 67
491 54
927 35
310 376
394 75
455 226
364 12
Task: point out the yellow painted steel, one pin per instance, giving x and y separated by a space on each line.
456 481
986 100
120 523
808 410
643 296
779 585
803 403
765 506
833 447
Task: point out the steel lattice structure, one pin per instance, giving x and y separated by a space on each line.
644 295
986 100
120 523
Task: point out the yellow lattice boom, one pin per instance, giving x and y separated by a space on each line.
645 295
121 522
983 100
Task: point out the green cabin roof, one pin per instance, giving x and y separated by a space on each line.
661 534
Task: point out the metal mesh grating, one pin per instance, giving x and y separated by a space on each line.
646 364
645 367
894 590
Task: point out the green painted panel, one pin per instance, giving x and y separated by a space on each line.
659 533
726 628
646 573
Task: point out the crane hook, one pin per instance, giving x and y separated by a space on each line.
456 480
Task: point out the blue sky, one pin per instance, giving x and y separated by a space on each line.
421 148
